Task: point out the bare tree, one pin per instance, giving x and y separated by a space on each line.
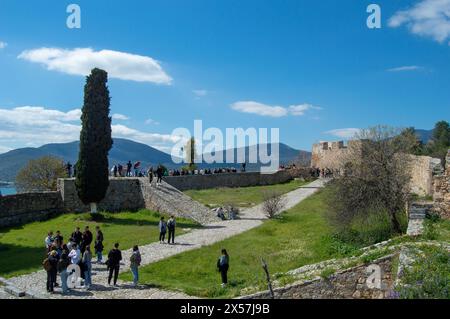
273 203
269 282
40 174
376 177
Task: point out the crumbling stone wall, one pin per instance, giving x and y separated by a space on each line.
441 185
24 208
347 284
333 155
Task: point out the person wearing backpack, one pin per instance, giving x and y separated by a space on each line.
50 266
162 230
171 226
113 262
135 262
62 265
223 264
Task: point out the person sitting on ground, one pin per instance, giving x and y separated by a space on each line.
135 262
220 213
113 263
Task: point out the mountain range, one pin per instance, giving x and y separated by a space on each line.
122 151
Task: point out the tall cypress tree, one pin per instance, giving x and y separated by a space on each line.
92 178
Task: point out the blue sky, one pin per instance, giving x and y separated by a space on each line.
312 69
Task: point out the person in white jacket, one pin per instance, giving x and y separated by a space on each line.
75 255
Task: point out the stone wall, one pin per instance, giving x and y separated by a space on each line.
123 194
347 284
441 185
333 155
422 168
24 208
188 182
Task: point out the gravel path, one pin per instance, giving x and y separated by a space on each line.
211 233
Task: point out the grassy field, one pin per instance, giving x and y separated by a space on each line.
22 248
301 236
241 197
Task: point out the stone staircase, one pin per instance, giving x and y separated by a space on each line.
167 199
417 214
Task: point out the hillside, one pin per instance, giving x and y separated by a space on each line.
123 150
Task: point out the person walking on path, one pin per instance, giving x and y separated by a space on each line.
223 264
114 258
63 263
99 245
50 265
162 230
171 226
135 262
87 266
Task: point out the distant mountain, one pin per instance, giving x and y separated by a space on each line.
123 150
424 135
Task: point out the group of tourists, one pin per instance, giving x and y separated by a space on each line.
65 258
325 172
76 251
165 227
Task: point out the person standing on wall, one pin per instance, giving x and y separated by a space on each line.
150 174
171 227
113 263
159 174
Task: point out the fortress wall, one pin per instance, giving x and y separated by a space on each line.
123 194
332 155
30 207
188 182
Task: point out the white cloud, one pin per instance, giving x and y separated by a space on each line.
200 93
151 122
427 18
4 149
345 133
81 61
34 126
405 68
120 117
3 45
272 111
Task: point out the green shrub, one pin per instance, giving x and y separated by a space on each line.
429 276
327 273
430 232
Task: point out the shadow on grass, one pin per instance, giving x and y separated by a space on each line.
16 259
